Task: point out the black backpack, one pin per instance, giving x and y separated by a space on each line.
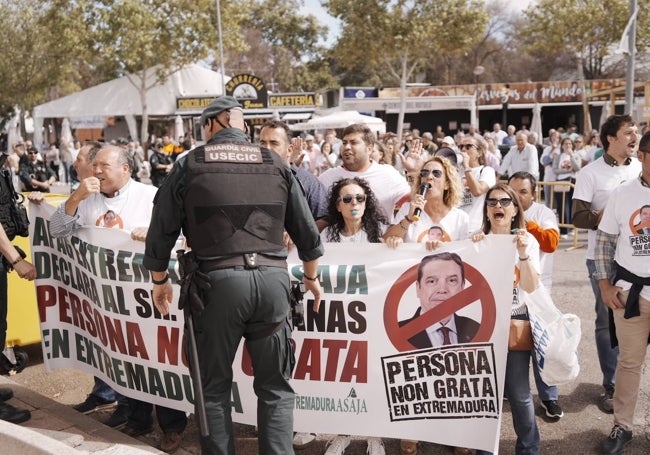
13 215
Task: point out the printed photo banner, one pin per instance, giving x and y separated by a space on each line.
360 368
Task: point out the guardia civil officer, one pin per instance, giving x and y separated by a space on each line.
233 200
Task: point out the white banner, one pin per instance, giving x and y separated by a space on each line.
358 367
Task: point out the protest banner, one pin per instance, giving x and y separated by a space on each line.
359 369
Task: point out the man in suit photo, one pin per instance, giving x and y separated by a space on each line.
440 277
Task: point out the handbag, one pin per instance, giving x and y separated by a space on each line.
520 337
556 337
13 214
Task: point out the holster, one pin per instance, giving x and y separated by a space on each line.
193 283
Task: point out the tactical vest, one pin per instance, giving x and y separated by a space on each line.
235 200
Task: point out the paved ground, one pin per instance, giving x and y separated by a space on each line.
581 430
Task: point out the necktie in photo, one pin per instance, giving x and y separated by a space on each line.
445 335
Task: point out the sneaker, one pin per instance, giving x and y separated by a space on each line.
553 409
12 414
303 440
376 447
607 400
616 440
92 403
118 417
337 445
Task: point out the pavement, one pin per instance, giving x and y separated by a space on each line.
582 429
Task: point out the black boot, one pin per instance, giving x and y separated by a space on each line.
14 415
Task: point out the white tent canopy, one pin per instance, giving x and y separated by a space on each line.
341 119
120 97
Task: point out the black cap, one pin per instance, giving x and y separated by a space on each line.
223 103
448 153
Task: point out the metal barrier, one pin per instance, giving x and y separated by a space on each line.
560 187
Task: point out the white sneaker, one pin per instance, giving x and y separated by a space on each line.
302 440
337 445
376 447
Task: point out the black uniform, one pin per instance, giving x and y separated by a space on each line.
230 198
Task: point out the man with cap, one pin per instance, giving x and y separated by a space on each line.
233 201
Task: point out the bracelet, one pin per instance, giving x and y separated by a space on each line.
524 259
402 226
408 219
17 260
159 282
309 277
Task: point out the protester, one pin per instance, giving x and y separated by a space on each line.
542 224
111 191
436 207
565 167
503 214
477 179
627 295
593 186
354 218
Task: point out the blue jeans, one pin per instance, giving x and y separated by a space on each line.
546 392
607 356
106 392
517 390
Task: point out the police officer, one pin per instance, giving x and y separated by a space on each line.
233 200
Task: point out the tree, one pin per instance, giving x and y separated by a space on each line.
386 41
36 56
585 30
145 38
283 47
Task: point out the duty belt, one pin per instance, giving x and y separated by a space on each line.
248 261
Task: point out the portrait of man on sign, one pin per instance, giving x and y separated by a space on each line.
440 277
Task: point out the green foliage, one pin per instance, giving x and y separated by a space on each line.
588 30
378 34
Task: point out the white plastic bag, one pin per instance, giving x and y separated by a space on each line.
556 337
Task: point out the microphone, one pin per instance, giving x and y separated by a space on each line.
424 187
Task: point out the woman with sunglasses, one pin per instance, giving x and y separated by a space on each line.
432 207
435 206
477 180
353 213
503 214
354 218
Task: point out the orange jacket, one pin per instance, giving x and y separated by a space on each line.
548 239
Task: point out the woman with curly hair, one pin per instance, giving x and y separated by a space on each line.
438 207
354 218
353 213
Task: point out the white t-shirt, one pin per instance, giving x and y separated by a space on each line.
130 209
622 217
594 184
454 226
388 185
545 219
473 205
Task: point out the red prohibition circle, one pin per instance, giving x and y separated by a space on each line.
479 289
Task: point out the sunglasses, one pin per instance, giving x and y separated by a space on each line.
424 173
347 199
492 202
32 153
467 146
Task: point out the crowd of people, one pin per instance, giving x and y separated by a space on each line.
359 188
